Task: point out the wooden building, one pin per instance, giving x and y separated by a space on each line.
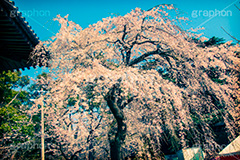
17 39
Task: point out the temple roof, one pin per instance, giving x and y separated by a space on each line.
17 39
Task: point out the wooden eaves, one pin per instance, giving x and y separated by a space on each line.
17 39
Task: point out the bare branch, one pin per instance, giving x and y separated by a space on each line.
124 33
63 154
237 7
142 57
75 154
14 98
231 35
128 101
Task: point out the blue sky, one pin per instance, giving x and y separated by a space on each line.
40 14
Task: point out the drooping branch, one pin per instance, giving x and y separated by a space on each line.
91 131
142 57
89 138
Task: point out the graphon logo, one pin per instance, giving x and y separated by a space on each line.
210 147
211 13
30 13
28 146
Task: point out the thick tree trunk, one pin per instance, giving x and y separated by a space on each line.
117 142
90 155
115 150
117 138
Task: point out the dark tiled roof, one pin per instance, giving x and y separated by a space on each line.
17 39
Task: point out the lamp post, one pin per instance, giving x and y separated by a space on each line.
42 135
